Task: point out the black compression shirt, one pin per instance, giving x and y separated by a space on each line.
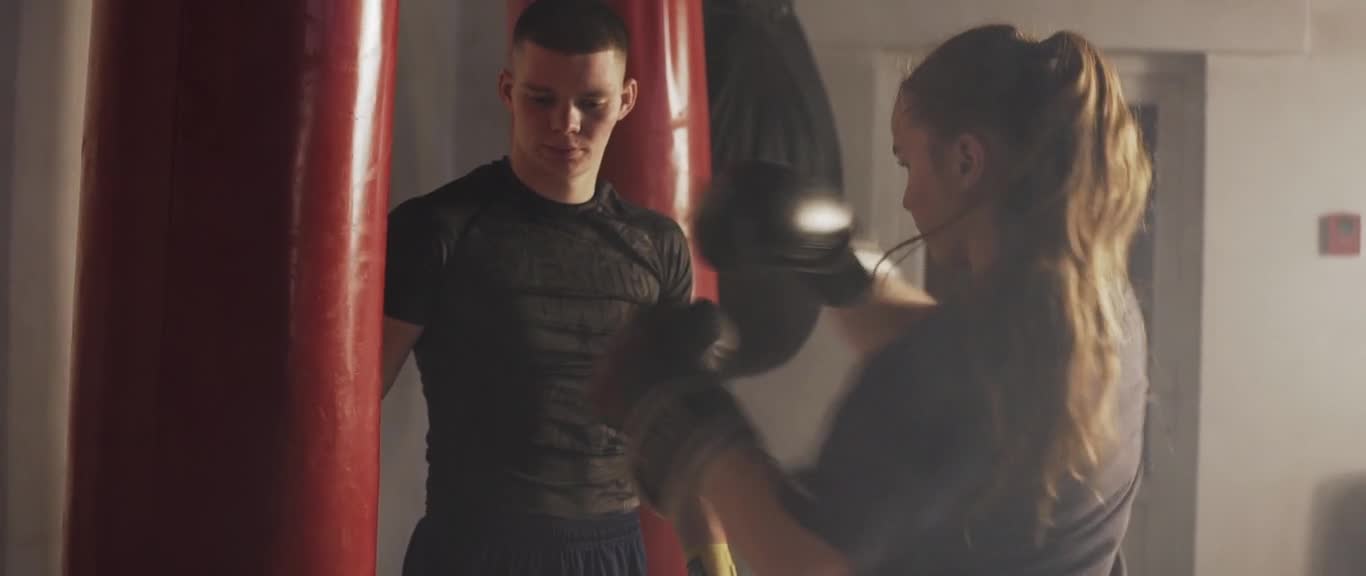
907 438
518 295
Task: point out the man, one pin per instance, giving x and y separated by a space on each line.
506 284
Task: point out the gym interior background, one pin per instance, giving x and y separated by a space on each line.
1264 405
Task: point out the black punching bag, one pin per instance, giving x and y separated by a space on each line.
766 96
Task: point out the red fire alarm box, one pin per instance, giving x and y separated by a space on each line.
1340 234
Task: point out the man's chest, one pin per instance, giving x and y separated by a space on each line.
587 260
555 287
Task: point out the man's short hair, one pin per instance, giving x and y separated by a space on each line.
572 27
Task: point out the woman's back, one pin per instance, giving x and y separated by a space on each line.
908 447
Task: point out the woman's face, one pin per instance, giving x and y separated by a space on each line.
929 195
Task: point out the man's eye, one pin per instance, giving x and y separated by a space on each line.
592 104
543 100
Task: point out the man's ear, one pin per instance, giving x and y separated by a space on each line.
505 88
629 92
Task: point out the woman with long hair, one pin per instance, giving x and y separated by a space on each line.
996 432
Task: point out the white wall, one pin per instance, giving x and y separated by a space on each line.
39 233
1284 403
1167 25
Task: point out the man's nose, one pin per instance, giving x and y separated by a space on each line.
566 119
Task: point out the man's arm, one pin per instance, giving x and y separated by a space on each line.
398 337
414 257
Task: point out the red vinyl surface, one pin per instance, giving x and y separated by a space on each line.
225 404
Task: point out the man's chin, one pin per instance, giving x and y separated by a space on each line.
567 167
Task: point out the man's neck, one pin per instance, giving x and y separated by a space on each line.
576 190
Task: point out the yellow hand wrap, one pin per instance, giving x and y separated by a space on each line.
711 560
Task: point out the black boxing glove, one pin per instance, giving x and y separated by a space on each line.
762 214
661 385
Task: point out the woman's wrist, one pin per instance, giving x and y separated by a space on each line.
697 525
726 477
741 483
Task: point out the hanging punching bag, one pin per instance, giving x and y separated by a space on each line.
660 157
767 99
226 365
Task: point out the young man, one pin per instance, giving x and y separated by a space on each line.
507 284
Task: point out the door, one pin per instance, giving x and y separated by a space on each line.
1166 264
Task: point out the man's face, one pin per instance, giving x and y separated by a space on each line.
564 107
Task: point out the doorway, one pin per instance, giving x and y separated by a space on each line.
1167 266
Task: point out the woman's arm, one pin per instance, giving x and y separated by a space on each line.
704 539
741 489
893 305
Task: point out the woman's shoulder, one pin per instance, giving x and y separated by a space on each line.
929 350
912 389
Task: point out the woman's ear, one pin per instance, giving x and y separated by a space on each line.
967 160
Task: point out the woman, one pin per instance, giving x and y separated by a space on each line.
998 432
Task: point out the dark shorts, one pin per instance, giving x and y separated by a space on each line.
543 546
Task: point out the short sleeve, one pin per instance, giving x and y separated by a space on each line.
676 257
914 392
414 258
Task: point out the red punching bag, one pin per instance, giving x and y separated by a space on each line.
225 403
660 157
